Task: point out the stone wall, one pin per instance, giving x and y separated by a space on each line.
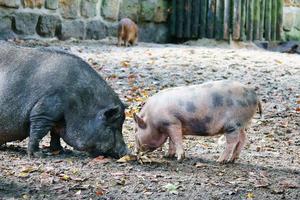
291 20
97 19
82 19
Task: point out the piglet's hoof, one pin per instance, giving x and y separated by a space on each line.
223 162
180 157
232 160
169 155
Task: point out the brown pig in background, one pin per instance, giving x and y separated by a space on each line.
219 107
127 32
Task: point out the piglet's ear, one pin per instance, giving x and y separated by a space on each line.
140 122
112 114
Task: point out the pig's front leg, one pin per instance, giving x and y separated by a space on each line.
232 140
175 134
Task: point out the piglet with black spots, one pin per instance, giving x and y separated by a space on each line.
212 108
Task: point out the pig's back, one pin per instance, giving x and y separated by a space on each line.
217 103
211 94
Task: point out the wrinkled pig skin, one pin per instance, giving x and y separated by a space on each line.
212 108
127 32
44 90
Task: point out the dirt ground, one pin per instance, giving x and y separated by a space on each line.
269 167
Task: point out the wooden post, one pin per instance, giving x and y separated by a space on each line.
236 20
256 19
180 18
246 18
268 20
187 18
195 18
274 20
243 19
226 24
211 18
203 15
250 20
262 19
279 19
173 18
219 19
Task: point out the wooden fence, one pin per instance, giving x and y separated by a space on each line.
220 19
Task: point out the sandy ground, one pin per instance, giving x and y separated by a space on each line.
269 167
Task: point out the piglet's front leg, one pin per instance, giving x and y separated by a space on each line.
175 134
172 150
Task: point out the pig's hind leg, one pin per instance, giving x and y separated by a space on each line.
119 41
239 146
232 139
43 116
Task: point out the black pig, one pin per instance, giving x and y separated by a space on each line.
44 90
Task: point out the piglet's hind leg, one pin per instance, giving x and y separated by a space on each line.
239 146
232 140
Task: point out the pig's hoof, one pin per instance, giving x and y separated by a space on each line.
56 148
37 154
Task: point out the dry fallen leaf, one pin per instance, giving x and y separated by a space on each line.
127 158
101 160
261 183
249 195
29 169
172 188
26 171
78 192
23 174
121 181
25 196
100 192
288 184
65 177
125 63
143 159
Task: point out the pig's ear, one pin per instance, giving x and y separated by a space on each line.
140 122
112 114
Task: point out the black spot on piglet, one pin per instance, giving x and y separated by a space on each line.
180 102
190 107
217 100
242 103
229 102
200 126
